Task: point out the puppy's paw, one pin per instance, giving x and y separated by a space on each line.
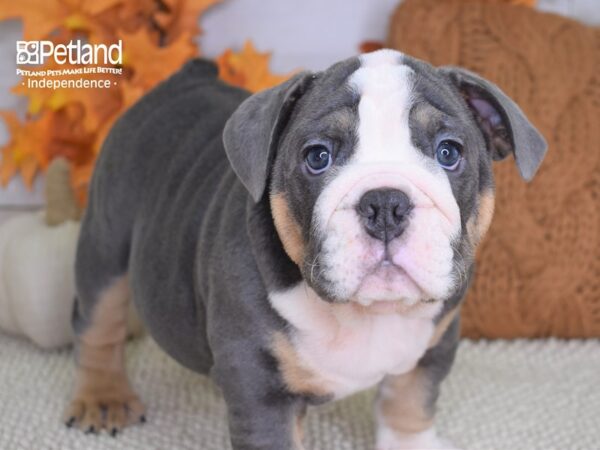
103 400
426 440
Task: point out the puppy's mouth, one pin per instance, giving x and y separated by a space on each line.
386 285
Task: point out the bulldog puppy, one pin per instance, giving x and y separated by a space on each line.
297 245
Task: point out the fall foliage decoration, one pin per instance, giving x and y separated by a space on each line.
248 69
157 38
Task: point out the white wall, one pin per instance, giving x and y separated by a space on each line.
310 34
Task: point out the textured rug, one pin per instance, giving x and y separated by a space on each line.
500 395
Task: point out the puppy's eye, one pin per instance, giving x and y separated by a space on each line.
318 158
448 154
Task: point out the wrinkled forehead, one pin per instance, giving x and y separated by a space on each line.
382 82
389 80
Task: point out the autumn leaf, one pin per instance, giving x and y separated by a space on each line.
68 136
34 143
94 7
19 152
39 18
126 16
8 165
152 64
157 40
248 69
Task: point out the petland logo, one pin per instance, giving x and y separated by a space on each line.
75 52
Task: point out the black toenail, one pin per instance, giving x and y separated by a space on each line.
70 422
91 430
114 432
143 419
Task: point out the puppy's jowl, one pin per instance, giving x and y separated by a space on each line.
298 245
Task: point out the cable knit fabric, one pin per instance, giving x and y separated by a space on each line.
539 395
538 270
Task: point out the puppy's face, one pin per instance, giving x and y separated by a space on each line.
381 184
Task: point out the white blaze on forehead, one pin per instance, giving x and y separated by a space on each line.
385 88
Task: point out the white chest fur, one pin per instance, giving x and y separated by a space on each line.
345 346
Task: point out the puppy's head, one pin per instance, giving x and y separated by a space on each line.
378 172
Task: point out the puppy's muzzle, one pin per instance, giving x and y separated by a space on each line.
384 213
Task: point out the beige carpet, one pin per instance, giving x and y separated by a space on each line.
500 396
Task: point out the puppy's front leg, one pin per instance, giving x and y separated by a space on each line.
261 415
406 403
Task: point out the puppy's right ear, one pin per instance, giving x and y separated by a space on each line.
252 133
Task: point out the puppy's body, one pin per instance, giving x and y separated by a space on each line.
303 295
162 181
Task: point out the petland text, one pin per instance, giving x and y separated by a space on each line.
75 52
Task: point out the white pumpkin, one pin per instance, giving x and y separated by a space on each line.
37 286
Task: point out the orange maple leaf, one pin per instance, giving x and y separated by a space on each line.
127 16
34 143
68 136
151 64
248 69
20 152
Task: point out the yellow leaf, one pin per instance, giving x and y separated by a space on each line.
76 21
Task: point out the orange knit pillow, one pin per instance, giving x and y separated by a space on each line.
538 271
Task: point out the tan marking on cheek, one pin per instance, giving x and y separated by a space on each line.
441 327
486 212
287 228
103 397
299 379
478 226
402 402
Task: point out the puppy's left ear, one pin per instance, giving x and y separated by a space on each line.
252 133
506 128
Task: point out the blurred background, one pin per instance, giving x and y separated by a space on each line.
525 377
310 34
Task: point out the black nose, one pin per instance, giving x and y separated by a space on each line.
384 213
